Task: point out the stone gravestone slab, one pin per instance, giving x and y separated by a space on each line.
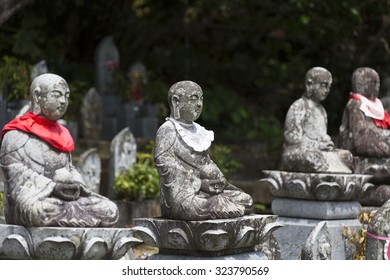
106 61
112 112
38 69
91 114
89 166
123 155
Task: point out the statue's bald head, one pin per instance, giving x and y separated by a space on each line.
49 96
366 81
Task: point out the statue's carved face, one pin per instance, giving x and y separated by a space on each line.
54 100
190 103
318 85
367 83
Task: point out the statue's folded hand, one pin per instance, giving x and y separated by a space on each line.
213 186
68 192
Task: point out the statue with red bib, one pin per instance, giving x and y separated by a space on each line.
365 131
42 187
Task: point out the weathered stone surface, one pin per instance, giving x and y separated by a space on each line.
90 168
318 245
192 186
378 234
307 146
123 155
358 132
208 238
106 61
320 210
91 115
54 243
365 132
39 69
317 186
295 232
42 187
243 256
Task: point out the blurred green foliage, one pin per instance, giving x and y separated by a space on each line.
250 56
140 182
221 155
15 78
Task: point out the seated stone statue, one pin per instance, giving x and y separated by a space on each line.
42 187
307 146
365 131
192 186
365 125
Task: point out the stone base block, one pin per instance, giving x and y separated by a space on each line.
243 256
293 237
320 210
210 238
56 243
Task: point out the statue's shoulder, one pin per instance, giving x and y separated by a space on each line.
13 140
165 138
298 109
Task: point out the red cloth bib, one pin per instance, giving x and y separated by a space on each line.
51 132
384 123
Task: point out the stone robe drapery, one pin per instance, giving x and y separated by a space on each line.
32 168
181 170
307 146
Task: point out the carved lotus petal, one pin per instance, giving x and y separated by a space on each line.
177 238
123 245
95 249
146 235
56 247
246 237
350 188
273 185
16 247
315 186
368 186
327 191
267 230
214 240
296 187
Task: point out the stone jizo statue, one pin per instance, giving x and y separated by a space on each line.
42 187
365 131
192 186
365 127
307 145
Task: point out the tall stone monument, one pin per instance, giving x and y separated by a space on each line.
123 155
90 169
315 183
203 215
91 115
106 63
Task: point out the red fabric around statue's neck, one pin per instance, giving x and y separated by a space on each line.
385 123
51 132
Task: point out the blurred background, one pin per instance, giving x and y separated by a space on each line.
249 56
